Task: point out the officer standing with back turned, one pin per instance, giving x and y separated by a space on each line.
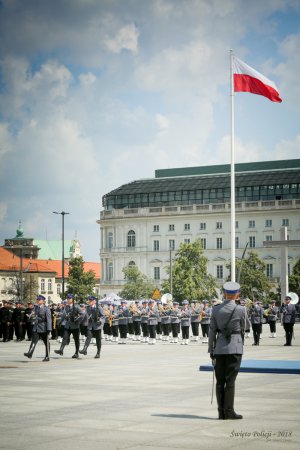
225 346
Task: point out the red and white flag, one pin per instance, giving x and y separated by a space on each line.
247 79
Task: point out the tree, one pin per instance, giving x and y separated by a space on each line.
294 278
253 279
190 279
137 285
80 283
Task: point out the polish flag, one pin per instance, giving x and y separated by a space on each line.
247 79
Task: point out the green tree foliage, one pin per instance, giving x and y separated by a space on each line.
294 279
137 285
253 279
80 283
190 280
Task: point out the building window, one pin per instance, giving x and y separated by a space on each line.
269 238
155 227
252 241
110 240
49 284
268 223
58 289
220 272
251 224
219 243
131 239
156 245
285 222
270 270
219 225
171 244
42 285
236 224
203 243
202 226
156 273
171 227
187 227
187 241
110 271
237 242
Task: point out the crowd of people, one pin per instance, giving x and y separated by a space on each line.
142 320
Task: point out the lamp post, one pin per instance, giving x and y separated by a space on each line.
62 213
171 274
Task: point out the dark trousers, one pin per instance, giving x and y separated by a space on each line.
185 331
115 330
226 369
289 330
175 327
165 329
95 334
130 328
107 329
75 334
205 329
195 328
29 330
256 328
137 327
6 332
123 331
145 329
35 339
20 330
158 328
152 331
272 326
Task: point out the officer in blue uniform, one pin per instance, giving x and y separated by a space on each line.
95 321
225 346
41 327
288 311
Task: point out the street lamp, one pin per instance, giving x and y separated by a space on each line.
62 213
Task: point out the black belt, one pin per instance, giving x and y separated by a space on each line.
236 332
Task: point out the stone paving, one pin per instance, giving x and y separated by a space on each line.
140 396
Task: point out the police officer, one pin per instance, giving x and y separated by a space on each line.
256 317
205 315
115 322
18 320
226 348
123 315
165 314
195 319
41 327
152 321
288 311
144 321
28 323
95 321
175 322
272 318
185 321
72 315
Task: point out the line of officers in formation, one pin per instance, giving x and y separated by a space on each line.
141 320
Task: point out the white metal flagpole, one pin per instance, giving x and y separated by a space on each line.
232 174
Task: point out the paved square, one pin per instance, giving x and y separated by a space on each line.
140 396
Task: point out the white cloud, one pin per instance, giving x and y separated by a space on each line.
125 39
86 79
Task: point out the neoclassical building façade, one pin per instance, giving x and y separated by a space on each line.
144 222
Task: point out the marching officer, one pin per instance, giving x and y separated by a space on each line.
71 315
115 322
205 315
195 319
144 321
226 348
136 318
95 321
152 321
123 314
288 311
41 327
165 314
256 317
175 322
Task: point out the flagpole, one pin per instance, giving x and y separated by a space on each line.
232 174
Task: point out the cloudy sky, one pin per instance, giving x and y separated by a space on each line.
96 93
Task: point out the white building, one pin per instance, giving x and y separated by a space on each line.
144 219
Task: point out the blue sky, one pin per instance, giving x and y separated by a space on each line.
96 93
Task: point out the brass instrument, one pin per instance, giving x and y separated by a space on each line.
55 316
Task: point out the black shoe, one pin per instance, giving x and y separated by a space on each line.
75 356
254 343
28 355
46 358
97 356
221 414
58 352
232 415
83 352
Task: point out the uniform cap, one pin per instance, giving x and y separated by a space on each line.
91 298
40 297
70 296
175 303
231 287
205 301
123 301
185 302
151 301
